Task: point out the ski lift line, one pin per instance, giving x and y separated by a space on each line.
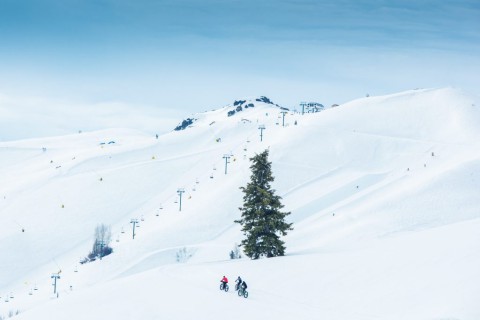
197 180
238 148
59 269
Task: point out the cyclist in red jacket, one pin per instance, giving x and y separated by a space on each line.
224 281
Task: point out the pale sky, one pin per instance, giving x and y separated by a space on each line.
196 55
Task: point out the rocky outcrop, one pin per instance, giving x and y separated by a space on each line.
185 124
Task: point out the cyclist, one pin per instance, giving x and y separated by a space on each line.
224 281
244 286
238 282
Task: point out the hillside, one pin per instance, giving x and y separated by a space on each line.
383 193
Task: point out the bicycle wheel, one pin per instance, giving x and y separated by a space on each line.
221 286
240 292
245 294
226 288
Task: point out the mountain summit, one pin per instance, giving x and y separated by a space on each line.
236 108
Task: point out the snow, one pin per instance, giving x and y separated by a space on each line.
383 193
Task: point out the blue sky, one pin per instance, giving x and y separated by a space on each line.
196 55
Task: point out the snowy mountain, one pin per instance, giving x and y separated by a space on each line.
383 193
234 109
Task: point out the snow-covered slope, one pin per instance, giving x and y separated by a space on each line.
383 193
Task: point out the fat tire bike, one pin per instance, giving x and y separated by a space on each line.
243 292
224 286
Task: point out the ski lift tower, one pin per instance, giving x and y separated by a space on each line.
303 104
55 276
283 117
134 222
261 128
227 158
180 191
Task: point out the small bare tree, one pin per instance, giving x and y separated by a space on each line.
183 255
101 244
235 253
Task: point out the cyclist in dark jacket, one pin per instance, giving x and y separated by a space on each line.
238 282
244 286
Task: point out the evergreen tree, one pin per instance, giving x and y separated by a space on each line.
262 220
